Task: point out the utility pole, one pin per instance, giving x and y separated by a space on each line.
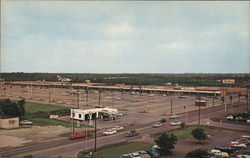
73 115
86 138
95 133
99 100
77 99
49 98
213 100
231 101
171 106
113 100
199 109
247 100
87 96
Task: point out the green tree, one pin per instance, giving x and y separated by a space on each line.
199 153
166 142
10 108
21 109
199 134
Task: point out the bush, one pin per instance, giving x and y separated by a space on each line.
166 142
62 112
199 153
199 134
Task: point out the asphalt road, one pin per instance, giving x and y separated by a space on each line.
63 146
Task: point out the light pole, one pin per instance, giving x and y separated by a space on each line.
171 101
95 133
213 99
199 110
247 97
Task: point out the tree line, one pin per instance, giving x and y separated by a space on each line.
186 79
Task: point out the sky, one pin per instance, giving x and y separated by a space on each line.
125 36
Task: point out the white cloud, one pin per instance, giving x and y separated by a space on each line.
175 46
118 30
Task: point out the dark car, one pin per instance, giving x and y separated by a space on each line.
153 153
132 133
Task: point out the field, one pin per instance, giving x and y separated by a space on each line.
39 114
32 107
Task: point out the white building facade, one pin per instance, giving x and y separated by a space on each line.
90 114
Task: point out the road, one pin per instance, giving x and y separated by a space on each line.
63 146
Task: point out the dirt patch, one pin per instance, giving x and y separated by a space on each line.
35 134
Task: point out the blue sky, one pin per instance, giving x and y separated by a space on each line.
125 37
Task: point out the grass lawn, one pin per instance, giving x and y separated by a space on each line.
31 109
116 150
50 122
35 107
186 132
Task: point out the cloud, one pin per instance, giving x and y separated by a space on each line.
176 45
118 30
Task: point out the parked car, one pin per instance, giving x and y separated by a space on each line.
157 124
208 136
237 144
125 156
26 122
242 156
118 128
156 147
132 133
173 116
163 120
230 117
175 123
244 141
110 132
135 155
220 153
227 149
246 153
144 154
153 153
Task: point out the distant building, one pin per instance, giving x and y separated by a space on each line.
9 122
63 79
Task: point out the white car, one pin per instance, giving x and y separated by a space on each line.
242 156
176 123
109 132
230 117
135 155
26 122
117 128
238 144
156 147
173 116
220 153
157 124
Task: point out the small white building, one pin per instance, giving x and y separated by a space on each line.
9 122
90 114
